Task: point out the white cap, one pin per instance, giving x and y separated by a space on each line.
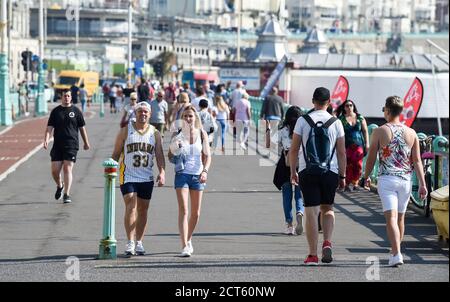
142 105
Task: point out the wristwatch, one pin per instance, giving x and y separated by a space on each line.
205 170
342 177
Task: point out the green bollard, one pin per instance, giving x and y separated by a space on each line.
102 108
108 243
440 149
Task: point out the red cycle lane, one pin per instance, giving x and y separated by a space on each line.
22 141
19 143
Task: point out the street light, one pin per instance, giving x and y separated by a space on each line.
5 102
41 104
130 33
239 15
438 114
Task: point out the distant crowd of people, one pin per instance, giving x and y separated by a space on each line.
216 106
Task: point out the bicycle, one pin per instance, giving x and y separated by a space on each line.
428 157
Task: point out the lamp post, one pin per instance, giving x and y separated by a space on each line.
433 70
130 32
239 25
5 102
41 104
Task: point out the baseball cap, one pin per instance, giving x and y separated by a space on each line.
142 105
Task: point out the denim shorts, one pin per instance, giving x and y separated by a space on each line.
188 181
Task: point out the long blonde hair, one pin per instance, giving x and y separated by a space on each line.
220 103
197 122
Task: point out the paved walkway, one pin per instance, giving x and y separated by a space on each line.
239 237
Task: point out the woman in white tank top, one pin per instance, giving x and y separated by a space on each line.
190 152
399 153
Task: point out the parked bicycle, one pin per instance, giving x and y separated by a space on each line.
427 155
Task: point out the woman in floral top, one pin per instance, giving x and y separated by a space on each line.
356 141
399 153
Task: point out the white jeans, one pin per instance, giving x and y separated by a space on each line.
394 193
242 131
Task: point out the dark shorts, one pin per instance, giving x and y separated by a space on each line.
61 154
318 189
144 190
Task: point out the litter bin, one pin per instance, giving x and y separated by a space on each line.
439 207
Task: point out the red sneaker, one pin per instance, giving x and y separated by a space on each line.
311 260
327 252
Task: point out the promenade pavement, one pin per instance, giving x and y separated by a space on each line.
239 236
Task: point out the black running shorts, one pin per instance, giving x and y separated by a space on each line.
318 189
61 154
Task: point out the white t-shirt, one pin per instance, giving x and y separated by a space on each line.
236 96
196 102
335 131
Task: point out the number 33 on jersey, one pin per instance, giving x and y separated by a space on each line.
136 163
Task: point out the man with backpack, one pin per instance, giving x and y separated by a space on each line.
322 168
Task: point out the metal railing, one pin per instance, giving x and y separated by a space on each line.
256 106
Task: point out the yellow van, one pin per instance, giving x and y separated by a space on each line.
67 78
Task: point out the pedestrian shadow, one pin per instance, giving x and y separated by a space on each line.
192 263
420 228
222 234
24 203
49 259
243 192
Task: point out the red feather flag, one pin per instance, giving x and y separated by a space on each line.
340 92
413 102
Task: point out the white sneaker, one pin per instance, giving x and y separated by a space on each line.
185 252
299 227
140 251
190 246
289 230
396 260
130 248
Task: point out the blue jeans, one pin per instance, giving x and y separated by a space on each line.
223 131
287 201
